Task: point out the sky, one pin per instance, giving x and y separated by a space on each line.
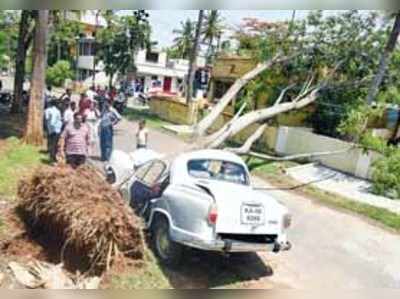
163 22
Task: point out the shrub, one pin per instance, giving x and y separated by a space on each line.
386 175
58 73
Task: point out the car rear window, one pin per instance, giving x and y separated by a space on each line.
218 170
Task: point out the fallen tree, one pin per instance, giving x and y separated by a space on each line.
200 129
307 95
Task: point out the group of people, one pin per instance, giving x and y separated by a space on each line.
75 129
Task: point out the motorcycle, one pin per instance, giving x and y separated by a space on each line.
6 98
143 99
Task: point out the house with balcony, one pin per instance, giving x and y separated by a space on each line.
86 43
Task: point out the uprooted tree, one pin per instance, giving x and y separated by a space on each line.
317 58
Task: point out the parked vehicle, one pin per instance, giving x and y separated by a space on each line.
6 97
204 200
142 98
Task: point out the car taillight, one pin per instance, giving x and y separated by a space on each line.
213 215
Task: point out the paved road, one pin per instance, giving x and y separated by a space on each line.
331 249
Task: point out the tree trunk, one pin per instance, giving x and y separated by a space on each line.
34 125
387 52
202 127
218 138
210 51
58 51
193 56
20 61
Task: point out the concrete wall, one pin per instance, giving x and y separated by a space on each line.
170 109
292 141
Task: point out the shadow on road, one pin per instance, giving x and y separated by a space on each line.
212 270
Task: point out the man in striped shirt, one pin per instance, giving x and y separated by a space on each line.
76 141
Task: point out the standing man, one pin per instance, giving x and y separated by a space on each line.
84 104
76 141
109 118
69 114
91 93
65 99
54 124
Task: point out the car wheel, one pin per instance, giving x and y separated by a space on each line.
168 251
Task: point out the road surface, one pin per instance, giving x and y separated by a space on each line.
331 249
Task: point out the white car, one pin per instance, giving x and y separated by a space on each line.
204 200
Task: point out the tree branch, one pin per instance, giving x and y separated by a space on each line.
201 128
246 147
299 156
283 92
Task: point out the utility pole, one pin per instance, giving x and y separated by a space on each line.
193 57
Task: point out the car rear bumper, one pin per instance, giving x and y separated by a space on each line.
227 245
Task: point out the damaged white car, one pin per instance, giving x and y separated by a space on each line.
204 200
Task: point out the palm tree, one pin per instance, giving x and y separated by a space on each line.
385 57
183 43
212 30
34 125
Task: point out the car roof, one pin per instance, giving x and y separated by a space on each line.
210 154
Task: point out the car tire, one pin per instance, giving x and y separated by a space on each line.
167 251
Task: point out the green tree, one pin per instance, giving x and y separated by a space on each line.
63 39
57 74
212 32
352 37
8 36
385 57
119 43
183 42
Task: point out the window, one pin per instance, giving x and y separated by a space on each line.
218 170
152 57
142 170
154 173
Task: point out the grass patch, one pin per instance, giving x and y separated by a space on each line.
16 161
380 216
152 120
269 167
149 277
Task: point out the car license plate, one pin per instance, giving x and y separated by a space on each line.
252 214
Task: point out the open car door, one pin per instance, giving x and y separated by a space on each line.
148 184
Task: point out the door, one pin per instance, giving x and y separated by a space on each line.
146 185
167 84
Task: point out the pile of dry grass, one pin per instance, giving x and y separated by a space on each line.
82 211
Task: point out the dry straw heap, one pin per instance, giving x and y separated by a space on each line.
83 212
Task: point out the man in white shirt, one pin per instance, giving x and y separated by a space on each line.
69 114
91 94
54 126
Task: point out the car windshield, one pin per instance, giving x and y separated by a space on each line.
218 170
